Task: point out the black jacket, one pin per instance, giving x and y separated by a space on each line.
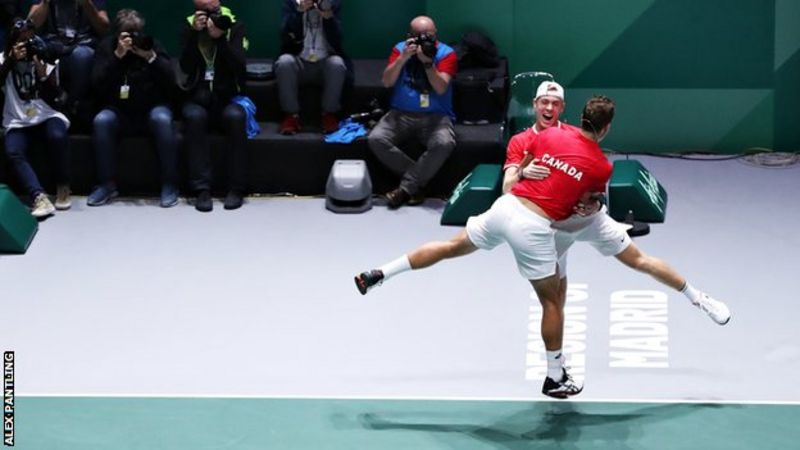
150 84
229 66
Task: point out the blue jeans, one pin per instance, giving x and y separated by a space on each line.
109 125
17 142
76 72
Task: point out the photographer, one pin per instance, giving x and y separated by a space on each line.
420 70
29 83
72 29
134 81
311 52
213 59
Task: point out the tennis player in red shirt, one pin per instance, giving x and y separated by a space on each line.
522 218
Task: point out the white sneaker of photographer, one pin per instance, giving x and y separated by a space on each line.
63 200
42 206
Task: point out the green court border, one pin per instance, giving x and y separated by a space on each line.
176 423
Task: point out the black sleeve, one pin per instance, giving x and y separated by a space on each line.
291 26
230 51
333 26
5 69
108 72
49 89
162 67
190 60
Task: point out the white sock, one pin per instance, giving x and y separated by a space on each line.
395 267
555 364
691 293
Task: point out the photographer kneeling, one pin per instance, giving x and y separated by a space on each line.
30 87
134 83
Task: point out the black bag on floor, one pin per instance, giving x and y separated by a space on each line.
477 50
472 99
475 100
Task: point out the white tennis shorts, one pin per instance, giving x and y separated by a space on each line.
528 234
605 234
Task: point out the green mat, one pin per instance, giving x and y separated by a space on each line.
63 423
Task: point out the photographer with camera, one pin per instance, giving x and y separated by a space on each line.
420 70
311 52
72 29
30 85
134 82
213 59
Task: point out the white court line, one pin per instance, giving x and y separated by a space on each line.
391 398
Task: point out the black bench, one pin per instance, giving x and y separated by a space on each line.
295 164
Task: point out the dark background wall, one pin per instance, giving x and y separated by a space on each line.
704 75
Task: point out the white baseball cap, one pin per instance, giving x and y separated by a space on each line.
550 88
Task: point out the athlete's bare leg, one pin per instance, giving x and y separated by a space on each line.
430 253
423 256
656 268
547 289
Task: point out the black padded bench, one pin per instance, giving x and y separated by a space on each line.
294 164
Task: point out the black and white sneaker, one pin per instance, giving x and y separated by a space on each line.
367 280
561 389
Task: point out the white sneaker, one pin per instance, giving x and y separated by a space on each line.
63 200
716 310
42 206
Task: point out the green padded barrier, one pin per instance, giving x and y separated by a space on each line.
474 194
17 225
634 188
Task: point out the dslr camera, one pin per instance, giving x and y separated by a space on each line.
371 117
141 40
425 41
35 46
220 20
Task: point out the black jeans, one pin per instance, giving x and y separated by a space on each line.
232 120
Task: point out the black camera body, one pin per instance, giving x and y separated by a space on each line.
36 46
427 42
141 40
220 20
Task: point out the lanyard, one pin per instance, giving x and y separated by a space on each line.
210 60
313 28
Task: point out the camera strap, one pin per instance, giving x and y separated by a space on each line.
312 24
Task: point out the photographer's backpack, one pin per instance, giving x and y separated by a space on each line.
481 84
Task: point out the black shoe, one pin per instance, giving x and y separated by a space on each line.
416 199
233 200
203 202
367 280
397 198
561 389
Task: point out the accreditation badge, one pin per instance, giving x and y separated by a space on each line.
30 110
424 100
